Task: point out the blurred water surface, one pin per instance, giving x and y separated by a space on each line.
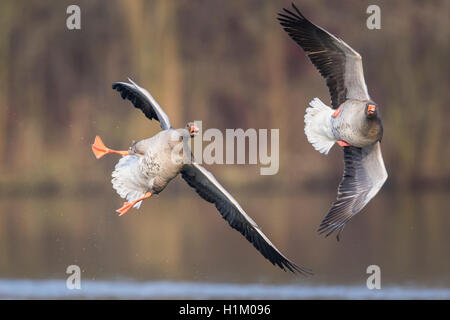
55 289
179 240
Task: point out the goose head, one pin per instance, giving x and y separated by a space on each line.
371 110
373 124
192 129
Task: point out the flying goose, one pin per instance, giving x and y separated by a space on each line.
149 165
353 121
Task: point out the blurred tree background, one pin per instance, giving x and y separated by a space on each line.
227 63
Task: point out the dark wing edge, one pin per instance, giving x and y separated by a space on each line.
142 99
364 175
337 62
212 191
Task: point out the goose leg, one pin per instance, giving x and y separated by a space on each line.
128 205
337 112
100 149
343 143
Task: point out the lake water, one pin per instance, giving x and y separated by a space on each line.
178 246
56 289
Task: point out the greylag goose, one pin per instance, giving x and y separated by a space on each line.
149 165
353 121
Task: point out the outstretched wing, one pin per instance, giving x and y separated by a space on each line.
142 99
212 191
364 175
336 61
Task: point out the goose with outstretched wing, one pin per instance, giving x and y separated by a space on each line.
149 165
353 120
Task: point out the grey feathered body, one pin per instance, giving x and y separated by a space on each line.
150 165
354 127
353 118
155 158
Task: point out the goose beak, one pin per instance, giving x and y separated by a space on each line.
371 109
193 130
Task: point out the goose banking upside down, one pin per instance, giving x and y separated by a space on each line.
353 121
149 165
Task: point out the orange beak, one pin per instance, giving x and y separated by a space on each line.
193 130
371 109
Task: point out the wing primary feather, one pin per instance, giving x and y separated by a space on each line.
336 61
143 100
364 175
210 189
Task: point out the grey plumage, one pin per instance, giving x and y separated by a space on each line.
142 99
337 62
353 120
152 163
364 175
354 127
212 191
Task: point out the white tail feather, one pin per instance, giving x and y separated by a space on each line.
128 180
318 126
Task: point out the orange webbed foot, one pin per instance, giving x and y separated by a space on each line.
125 208
128 205
99 149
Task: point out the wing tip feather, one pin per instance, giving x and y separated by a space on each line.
193 174
297 15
